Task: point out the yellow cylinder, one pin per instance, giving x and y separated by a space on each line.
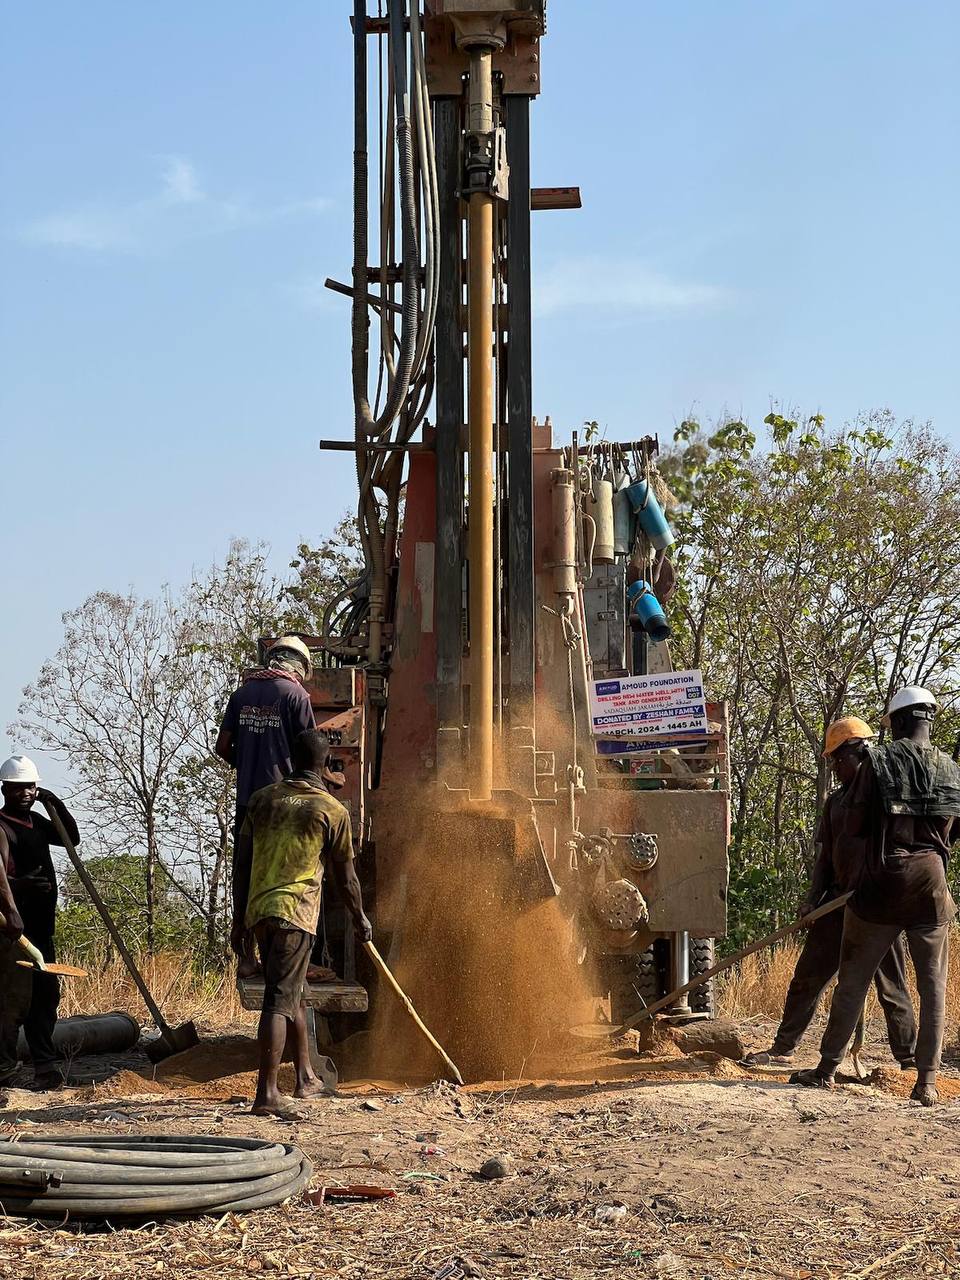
480 459
600 507
564 509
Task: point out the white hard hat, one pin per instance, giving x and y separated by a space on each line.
19 769
912 695
295 645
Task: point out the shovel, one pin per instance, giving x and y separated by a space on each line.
592 1031
37 961
172 1039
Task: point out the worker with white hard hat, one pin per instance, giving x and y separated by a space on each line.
904 805
262 721
837 870
30 999
918 701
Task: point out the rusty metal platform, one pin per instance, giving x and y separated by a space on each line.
323 997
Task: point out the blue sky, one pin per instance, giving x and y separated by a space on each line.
770 195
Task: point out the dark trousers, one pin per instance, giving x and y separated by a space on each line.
862 950
42 1017
29 1000
818 965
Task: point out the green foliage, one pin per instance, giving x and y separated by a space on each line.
132 702
121 881
321 574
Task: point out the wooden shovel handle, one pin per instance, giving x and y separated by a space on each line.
107 918
381 964
701 978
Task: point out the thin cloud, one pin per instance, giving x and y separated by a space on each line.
179 210
180 184
618 286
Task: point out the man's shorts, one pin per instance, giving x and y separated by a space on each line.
284 955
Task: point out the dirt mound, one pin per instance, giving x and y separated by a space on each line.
720 1066
900 1083
125 1084
240 1084
209 1060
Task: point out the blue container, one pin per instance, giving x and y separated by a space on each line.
645 605
650 514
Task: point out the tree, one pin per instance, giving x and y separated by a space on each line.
230 607
817 573
120 879
110 704
132 702
321 594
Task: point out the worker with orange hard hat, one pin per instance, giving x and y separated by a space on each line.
837 870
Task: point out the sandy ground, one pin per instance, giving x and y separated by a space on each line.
656 1166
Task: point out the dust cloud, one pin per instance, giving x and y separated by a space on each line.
489 960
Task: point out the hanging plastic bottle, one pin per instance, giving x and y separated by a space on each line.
650 514
645 606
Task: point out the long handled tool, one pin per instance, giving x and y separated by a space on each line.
381 964
172 1039
37 961
701 978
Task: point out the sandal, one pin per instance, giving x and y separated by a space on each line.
286 1110
925 1094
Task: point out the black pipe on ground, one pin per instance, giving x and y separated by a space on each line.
146 1176
97 1033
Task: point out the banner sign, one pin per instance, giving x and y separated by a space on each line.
668 705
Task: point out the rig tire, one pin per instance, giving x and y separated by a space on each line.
702 958
633 984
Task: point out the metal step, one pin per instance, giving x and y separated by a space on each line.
324 997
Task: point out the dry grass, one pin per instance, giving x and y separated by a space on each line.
209 996
757 987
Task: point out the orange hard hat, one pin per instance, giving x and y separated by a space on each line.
846 730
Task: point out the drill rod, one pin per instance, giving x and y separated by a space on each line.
480 415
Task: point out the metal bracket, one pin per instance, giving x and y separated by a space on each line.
485 167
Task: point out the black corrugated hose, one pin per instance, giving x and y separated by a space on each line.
146 1176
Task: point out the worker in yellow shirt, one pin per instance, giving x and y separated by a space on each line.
292 832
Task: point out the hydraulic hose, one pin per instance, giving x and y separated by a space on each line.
410 255
146 1176
409 380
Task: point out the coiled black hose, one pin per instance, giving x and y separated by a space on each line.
148 1175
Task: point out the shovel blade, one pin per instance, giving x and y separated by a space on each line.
172 1040
61 970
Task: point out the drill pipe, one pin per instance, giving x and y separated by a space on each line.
480 415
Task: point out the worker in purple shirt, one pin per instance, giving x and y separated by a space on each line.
263 719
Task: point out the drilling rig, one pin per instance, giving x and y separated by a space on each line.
498 680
